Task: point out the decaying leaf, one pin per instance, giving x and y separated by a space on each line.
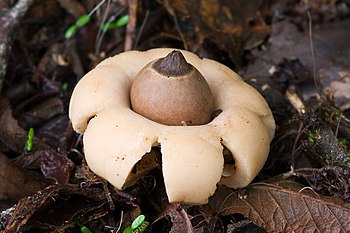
231 25
13 137
179 218
53 165
335 83
36 208
38 109
16 182
284 209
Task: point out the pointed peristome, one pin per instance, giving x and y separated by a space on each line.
173 65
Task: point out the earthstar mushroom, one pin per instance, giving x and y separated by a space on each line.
116 137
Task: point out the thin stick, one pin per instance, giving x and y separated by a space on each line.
101 33
131 27
172 13
141 29
337 130
312 52
187 220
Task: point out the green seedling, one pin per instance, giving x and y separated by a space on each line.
29 143
70 32
83 228
81 21
85 19
122 21
65 86
139 225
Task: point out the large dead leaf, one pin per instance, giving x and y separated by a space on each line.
278 209
16 182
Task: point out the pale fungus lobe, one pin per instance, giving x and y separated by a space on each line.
211 127
171 91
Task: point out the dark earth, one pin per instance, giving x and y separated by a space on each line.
295 53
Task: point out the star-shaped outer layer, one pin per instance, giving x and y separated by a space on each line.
116 138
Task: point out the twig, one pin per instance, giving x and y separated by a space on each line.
141 29
295 100
187 220
172 13
101 33
299 106
307 187
337 130
131 27
312 52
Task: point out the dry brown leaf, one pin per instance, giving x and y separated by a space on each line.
179 218
13 137
278 209
16 182
335 84
55 206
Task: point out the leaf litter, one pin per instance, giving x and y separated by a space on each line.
269 43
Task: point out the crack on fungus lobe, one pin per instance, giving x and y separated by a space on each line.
151 160
229 162
148 162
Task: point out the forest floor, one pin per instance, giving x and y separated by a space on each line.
295 53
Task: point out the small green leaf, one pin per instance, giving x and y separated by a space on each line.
108 26
29 143
138 221
122 21
31 134
83 20
29 146
84 229
128 230
70 32
65 86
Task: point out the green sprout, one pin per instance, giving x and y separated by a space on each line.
85 19
65 86
122 21
81 21
29 143
83 228
139 225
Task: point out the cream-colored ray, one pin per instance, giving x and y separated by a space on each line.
192 163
